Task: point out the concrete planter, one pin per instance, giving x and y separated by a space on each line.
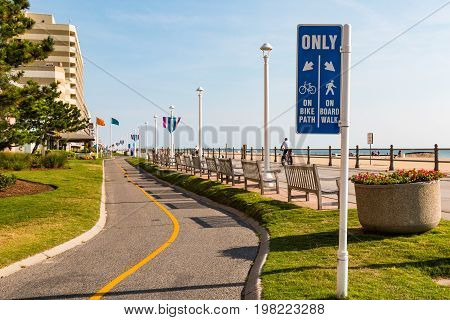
399 208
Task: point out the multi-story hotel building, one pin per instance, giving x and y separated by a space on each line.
64 64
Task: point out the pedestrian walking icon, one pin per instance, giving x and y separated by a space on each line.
330 86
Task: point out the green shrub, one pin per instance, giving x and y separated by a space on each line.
20 161
7 180
71 154
54 160
68 154
36 161
14 160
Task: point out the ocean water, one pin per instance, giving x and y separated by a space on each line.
445 153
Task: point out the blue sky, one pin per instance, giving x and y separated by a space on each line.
166 49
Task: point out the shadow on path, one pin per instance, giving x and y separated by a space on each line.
243 253
134 292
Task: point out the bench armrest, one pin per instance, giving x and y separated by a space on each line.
329 178
274 172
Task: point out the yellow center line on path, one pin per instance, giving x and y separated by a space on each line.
176 229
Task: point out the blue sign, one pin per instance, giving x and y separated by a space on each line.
318 78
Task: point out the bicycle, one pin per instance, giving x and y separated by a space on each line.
307 87
287 155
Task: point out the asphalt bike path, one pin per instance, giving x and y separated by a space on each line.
158 243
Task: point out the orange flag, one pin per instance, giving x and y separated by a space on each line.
100 122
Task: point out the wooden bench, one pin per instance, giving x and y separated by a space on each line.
306 178
197 165
211 167
229 172
188 163
179 163
156 158
254 172
152 157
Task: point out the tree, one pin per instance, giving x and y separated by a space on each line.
13 53
41 114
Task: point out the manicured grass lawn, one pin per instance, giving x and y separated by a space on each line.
302 259
33 223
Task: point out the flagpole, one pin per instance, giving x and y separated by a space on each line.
171 131
110 137
135 141
156 132
96 136
139 139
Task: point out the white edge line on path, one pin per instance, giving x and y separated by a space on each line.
50 253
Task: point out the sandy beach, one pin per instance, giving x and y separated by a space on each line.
378 163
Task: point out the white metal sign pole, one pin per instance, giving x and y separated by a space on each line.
342 268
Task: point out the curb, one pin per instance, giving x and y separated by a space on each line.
252 288
50 253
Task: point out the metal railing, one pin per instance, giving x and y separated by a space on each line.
389 155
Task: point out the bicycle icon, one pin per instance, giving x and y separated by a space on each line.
307 87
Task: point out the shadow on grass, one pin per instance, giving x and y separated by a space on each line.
321 239
435 267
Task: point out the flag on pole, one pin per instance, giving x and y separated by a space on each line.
100 122
171 123
114 121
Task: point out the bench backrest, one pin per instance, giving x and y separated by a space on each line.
167 159
211 164
226 167
302 177
187 161
196 162
219 169
252 170
178 160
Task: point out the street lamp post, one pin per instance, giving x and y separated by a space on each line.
146 137
135 143
140 144
171 108
200 143
155 117
266 48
